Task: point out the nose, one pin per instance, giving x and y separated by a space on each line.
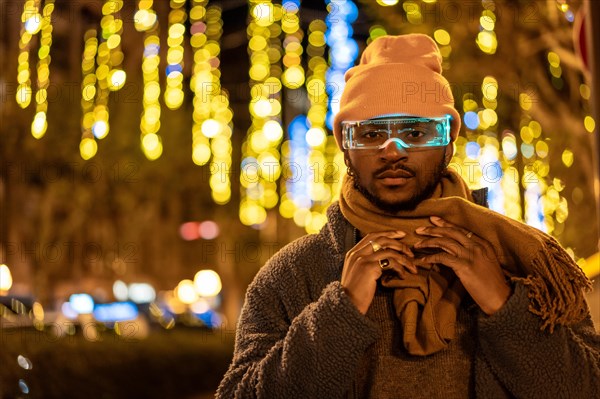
393 150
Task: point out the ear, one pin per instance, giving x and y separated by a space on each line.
346 160
448 153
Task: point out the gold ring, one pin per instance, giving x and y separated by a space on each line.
384 264
376 247
469 234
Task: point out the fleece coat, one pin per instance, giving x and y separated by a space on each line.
300 336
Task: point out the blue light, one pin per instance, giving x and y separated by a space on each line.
210 318
173 68
337 33
298 185
298 127
344 54
290 5
471 120
335 82
114 312
339 10
82 303
472 150
570 16
151 49
249 161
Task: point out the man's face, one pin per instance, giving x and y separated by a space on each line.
394 179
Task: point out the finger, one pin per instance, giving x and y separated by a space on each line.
400 260
395 244
438 221
398 267
467 238
449 245
445 259
457 234
375 236
384 239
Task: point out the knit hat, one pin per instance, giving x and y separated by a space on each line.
397 75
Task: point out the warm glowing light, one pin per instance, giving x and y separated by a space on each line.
272 130
263 14
201 154
144 20
207 283
120 290
88 148
211 128
509 147
6 280
208 229
567 158
39 125
487 42
186 292
315 136
117 79
525 101
590 124
488 20
387 3
33 24
251 214
38 311
100 129
293 77
262 108
141 292
442 37
23 95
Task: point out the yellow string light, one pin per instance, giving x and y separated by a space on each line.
88 93
212 127
261 163
486 39
146 21
31 24
174 94
39 124
35 22
322 156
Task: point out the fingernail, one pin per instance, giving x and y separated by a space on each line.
420 230
401 233
435 218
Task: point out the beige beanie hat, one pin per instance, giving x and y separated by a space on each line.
397 75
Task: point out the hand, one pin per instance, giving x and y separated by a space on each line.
361 266
472 258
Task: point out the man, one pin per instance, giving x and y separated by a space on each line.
412 290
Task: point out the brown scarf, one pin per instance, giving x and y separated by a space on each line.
427 303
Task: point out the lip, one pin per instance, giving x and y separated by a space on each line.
394 181
397 177
395 174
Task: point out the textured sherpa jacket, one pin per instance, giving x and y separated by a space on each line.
299 336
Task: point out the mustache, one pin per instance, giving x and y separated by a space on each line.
393 167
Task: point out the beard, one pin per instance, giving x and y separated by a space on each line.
392 207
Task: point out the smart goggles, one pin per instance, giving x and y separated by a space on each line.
408 131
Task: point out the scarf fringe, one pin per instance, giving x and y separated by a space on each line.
556 287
